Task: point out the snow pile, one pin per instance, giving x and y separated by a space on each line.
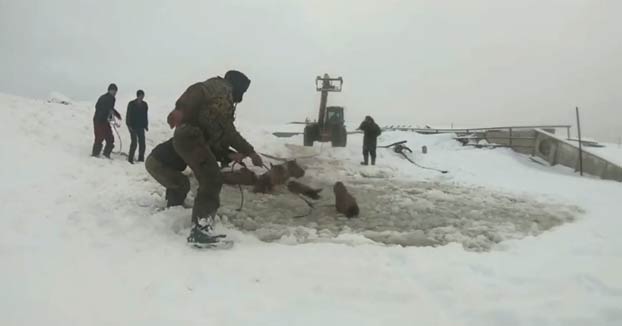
56 97
610 152
85 241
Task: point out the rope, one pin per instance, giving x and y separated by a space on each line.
421 166
114 124
239 187
276 158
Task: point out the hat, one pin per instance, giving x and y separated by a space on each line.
240 83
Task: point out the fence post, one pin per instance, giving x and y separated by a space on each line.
510 137
580 145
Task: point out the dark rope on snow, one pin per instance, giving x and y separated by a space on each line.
239 187
276 158
114 124
421 166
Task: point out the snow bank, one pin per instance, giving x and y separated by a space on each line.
610 152
56 97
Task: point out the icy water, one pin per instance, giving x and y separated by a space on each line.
396 213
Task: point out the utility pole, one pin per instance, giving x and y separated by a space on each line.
580 144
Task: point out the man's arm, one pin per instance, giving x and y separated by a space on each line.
363 126
235 139
116 114
146 116
377 129
128 114
113 110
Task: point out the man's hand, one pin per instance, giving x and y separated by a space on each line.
257 161
236 157
174 118
146 128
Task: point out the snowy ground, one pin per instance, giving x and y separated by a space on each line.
499 240
610 151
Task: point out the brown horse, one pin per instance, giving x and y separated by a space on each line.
302 189
344 201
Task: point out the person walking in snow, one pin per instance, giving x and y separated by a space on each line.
137 123
104 110
166 166
203 120
371 131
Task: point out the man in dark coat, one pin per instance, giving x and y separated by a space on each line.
371 131
203 118
104 109
166 166
137 123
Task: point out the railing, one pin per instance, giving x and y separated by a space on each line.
469 130
510 130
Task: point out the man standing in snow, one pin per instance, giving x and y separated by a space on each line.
166 166
104 109
203 117
371 131
137 123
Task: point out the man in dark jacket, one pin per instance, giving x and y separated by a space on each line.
137 123
166 166
104 109
371 131
203 118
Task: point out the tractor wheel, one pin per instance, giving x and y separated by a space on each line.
339 137
308 137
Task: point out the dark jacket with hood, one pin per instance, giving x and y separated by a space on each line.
371 131
210 106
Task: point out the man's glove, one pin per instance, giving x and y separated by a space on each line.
174 118
146 128
257 161
236 157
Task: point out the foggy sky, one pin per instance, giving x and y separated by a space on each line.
472 63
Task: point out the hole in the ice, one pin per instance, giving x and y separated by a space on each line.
407 214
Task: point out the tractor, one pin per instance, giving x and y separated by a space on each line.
330 124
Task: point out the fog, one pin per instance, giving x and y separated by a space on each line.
470 63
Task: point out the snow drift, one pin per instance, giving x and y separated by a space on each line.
85 241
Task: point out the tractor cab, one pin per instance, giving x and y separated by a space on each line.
332 124
334 115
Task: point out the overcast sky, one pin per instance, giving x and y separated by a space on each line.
476 62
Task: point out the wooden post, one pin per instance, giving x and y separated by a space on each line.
568 132
510 137
580 145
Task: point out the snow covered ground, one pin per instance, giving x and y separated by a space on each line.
611 152
499 240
